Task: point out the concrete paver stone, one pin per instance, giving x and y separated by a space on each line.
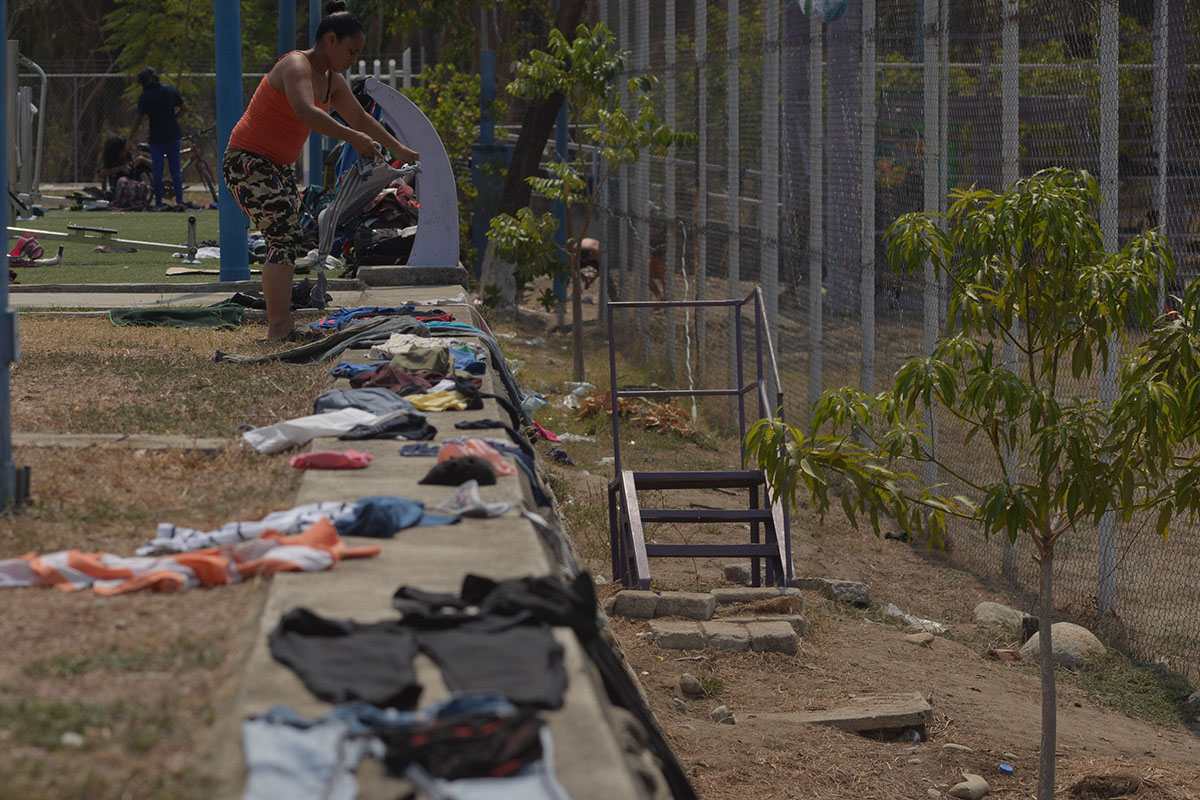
677 635
636 604
732 636
689 605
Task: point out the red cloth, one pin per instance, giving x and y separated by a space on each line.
331 459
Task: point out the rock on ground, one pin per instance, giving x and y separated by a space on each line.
972 787
989 613
1073 645
851 592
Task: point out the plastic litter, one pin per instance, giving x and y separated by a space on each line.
1007 769
532 403
536 341
576 437
917 622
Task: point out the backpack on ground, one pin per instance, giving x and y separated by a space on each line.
130 195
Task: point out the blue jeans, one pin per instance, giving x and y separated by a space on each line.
171 151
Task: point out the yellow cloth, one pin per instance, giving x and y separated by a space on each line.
449 400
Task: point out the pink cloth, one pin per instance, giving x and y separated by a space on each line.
547 435
331 459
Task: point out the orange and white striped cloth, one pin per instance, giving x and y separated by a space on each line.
476 447
315 549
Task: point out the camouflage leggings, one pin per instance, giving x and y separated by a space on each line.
267 193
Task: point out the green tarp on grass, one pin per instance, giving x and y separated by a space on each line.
225 316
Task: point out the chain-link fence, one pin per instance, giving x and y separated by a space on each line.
83 109
815 130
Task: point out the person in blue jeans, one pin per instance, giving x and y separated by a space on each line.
161 105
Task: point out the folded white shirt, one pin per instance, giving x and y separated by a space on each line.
302 430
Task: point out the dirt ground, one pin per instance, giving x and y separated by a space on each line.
139 677
991 707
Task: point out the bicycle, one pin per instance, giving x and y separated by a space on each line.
191 156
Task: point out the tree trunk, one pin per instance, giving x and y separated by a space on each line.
1049 702
536 128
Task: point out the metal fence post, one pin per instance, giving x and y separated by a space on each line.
701 39
316 154
669 232
867 191
1010 147
606 238
641 183
1162 50
8 319
75 129
733 193
1110 99
625 292
287 26
933 192
235 261
769 192
816 205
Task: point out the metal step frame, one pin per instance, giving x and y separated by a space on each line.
773 543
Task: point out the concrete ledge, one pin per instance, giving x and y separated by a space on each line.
135 441
591 761
413 276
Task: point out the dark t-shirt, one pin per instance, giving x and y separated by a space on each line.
158 103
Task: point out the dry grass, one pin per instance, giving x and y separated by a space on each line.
141 676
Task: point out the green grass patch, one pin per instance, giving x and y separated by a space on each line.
1143 691
182 654
80 264
42 723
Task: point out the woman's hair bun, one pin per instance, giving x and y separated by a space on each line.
336 7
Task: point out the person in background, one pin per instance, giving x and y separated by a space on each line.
161 105
117 162
292 100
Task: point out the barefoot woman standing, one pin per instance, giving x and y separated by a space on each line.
291 101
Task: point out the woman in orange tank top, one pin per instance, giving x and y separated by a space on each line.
293 100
